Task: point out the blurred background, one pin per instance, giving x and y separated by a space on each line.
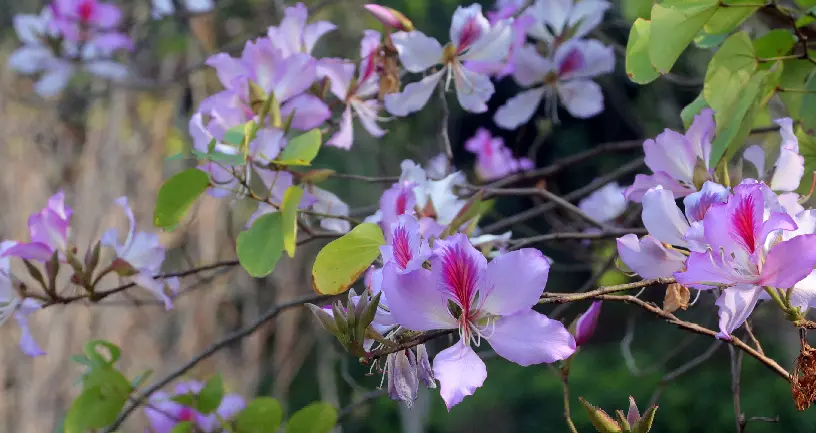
98 142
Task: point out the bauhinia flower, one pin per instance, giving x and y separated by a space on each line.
90 21
586 323
605 204
328 203
391 18
556 21
472 39
493 159
49 230
140 257
163 413
494 301
677 160
11 305
294 35
747 253
163 8
359 95
566 77
789 166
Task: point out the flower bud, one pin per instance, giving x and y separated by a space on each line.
424 369
602 422
403 382
325 318
123 268
390 17
584 326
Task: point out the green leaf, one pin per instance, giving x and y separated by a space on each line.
177 194
645 422
707 40
187 399
108 356
639 67
301 150
730 130
262 415
183 427
806 3
685 20
289 210
728 72
807 148
602 422
774 43
211 395
693 109
727 19
341 262
314 418
633 9
260 247
235 135
105 392
808 107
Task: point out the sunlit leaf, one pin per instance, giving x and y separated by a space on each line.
177 194
262 415
691 110
314 418
685 19
211 395
727 19
774 43
728 72
260 247
639 67
341 262
289 210
301 150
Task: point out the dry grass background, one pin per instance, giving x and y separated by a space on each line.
118 147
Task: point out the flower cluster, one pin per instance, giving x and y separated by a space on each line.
137 260
163 413
493 159
68 35
748 242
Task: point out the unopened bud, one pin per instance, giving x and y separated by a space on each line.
325 318
92 258
390 17
35 273
403 382
584 326
602 422
123 268
622 421
258 99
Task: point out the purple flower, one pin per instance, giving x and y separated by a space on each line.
163 413
328 203
741 255
293 35
49 230
287 77
566 76
586 323
493 159
406 248
472 39
790 165
13 305
163 8
277 182
144 253
360 95
648 257
492 301
605 204
672 158
558 20
390 17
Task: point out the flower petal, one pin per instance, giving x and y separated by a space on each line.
344 136
519 109
309 111
514 281
789 262
417 52
581 98
314 31
414 96
340 72
472 89
530 68
415 301
458 269
468 25
528 338
648 257
705 267
662 218
756 156
459 371
27 343
698 203
736 304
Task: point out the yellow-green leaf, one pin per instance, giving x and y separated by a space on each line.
314 418
260 247
262 415
728 72
639 67
341 262
679 23
774 43
289 209
177 194
794 76
728 18
691 110
302 149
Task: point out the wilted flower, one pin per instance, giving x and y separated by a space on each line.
472 39
140 257
567 77
163 413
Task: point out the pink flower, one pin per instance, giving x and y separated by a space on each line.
493 159
741 255
163 8
480 300
294 35
390 17
163 413
90 21
49 230
472 39
144 253
360 95
566 76
558 20
790 165
672 157
11 305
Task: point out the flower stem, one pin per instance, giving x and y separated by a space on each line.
564 373
778 299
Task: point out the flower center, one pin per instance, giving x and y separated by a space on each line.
86 11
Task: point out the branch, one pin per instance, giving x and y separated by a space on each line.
609 233
226 341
